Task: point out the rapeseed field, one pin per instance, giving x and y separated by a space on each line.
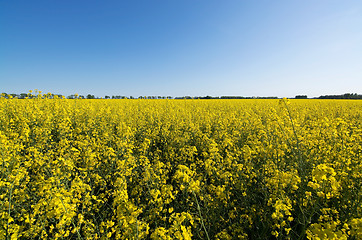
180 169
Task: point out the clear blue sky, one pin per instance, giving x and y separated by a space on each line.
181 47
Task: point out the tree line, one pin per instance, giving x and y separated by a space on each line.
91 96
344 96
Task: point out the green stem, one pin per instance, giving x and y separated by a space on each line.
202 221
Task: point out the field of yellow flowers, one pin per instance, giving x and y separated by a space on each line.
180 169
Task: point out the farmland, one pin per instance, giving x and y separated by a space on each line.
180 169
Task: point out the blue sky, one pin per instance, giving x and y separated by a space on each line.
181 48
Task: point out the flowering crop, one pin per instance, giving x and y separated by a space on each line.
180 169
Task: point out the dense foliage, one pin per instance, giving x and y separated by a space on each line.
180 169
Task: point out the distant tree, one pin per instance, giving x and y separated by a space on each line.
107 97
350 96
301 97
89 96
